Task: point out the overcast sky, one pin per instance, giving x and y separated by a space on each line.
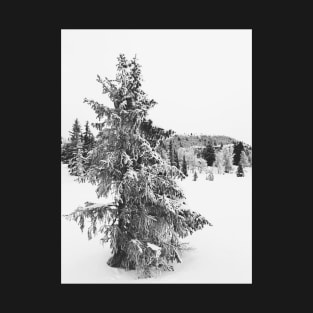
201 79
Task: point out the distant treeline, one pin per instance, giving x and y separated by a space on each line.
187 141
186 152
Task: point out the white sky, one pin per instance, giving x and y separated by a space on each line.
201 79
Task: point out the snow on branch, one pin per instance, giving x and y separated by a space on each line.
153 247
99 108
93 212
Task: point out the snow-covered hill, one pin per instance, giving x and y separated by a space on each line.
218 254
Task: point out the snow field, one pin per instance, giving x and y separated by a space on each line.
218 254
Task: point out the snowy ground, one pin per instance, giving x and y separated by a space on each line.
219 254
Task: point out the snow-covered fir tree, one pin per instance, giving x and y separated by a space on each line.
148 215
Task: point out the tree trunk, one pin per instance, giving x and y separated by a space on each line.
119 260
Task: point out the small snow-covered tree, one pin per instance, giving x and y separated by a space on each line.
189 156
244 159
210 175
228 158
219 162
201 164
148 216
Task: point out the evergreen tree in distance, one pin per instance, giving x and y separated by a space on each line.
184 166
66 153
85 142
176 161
195 176
69 149
63 149
88 139
171 153
238 147
75 133
147 217
209 154
75 141
77 163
